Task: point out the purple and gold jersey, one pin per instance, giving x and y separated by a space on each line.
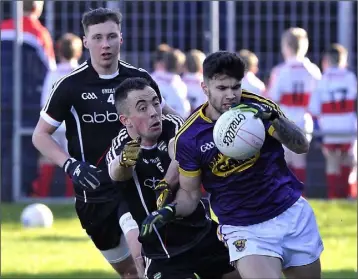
243 192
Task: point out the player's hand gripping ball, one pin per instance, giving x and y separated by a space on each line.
239 133
130 154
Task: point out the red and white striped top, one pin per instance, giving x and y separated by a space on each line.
334 105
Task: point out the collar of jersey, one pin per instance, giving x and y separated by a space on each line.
202 115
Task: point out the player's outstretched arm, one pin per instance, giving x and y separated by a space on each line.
45 143
121 166
188 196
290 135
118 172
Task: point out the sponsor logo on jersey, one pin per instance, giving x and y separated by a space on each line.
224 166
108 91
100 117
89 96
207 146
151 182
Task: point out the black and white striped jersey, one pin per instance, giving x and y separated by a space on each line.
84 100
151 167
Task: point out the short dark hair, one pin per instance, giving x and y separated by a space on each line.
337 54
100 15
223 63
128 85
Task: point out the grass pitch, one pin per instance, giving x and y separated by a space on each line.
64 251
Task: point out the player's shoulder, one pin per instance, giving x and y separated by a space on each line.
73 78
172 120
276 69
312 68
131 70
248 97
121 139
191 127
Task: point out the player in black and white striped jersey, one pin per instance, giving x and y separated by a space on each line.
145 170
84 100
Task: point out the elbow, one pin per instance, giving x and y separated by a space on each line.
303 148
35 138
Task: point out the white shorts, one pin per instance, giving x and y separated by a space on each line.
292 236
117 254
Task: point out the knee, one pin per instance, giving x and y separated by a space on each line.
125 268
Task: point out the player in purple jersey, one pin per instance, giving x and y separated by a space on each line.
266 224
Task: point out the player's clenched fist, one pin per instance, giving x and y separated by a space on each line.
164 194
129 155
82 173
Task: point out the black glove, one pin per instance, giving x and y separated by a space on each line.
82 173
260 111
164 194
159 218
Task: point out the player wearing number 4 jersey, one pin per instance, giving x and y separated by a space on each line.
291 86
265 223
334 105
84 100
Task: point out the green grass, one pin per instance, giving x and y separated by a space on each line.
64 251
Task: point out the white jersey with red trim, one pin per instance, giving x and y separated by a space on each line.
196 95
334 104
174 91
291 85
252 83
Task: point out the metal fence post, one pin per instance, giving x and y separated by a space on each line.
231 26
50 17
214 26
345 27
17 82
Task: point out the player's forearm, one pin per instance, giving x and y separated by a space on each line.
49 148
119 173
172 175
135 248
186 201
290 135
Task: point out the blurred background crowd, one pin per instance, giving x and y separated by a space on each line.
170 40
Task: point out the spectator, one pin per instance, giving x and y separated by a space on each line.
333 105
37 58
69 51
173 89
291 85
251 82
193 77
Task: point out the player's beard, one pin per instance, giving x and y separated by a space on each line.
215 104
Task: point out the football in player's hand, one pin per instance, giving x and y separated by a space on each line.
238 134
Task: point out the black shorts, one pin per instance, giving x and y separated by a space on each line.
208 260
101 222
